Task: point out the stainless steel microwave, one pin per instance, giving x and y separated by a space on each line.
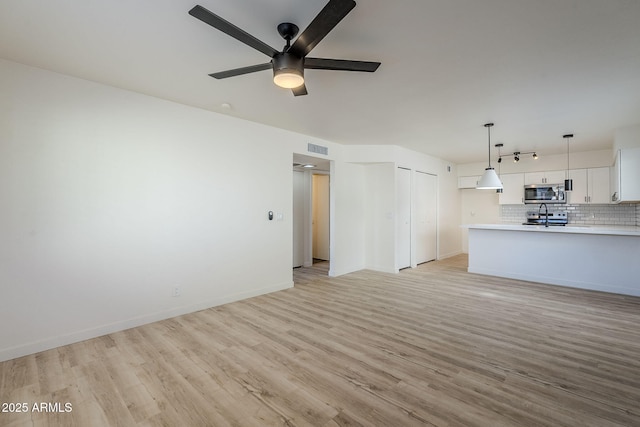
544 193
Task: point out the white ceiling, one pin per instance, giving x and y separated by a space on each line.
537 68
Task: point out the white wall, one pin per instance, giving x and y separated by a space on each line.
380 216
627 137
111 199
449 233
347 231
478 207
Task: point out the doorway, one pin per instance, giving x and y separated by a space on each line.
320 217
311 218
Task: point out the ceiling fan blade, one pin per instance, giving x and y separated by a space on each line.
340 65
300 90
321 25
241 71
228 28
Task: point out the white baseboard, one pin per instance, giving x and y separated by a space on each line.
449 255
339 272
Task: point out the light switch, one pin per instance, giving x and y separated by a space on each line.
279 216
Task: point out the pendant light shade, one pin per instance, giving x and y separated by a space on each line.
489 180
568 183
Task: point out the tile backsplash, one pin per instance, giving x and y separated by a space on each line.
622 214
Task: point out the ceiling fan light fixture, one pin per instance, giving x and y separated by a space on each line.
288 79
288 71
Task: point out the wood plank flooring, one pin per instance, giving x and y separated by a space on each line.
432 346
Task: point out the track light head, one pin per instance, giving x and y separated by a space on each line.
516 157
535 156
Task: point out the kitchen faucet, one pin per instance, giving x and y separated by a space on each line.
546 213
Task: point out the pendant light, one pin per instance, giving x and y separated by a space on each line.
489 180
568 183
499 146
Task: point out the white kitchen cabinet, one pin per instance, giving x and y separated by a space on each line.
468 181
580 192
615 179
546 177
534 178
598 185
628 167
590 186
513 189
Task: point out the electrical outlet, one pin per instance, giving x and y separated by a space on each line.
177 291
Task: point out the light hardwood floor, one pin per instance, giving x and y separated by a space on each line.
433 345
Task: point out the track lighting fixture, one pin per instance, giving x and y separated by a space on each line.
516 156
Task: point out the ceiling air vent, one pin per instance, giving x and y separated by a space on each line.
318 149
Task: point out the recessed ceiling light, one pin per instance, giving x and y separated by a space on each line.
308 165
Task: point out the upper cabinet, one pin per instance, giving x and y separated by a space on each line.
598 180
512 189
626 176
468 181
580 192
548 177
589 186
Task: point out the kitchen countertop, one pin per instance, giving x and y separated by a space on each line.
611 230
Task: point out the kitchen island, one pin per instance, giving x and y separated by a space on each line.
602 258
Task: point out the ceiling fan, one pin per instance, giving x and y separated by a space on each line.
288 66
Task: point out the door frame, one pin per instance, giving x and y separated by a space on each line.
325 168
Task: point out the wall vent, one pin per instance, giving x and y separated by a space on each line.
318 149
